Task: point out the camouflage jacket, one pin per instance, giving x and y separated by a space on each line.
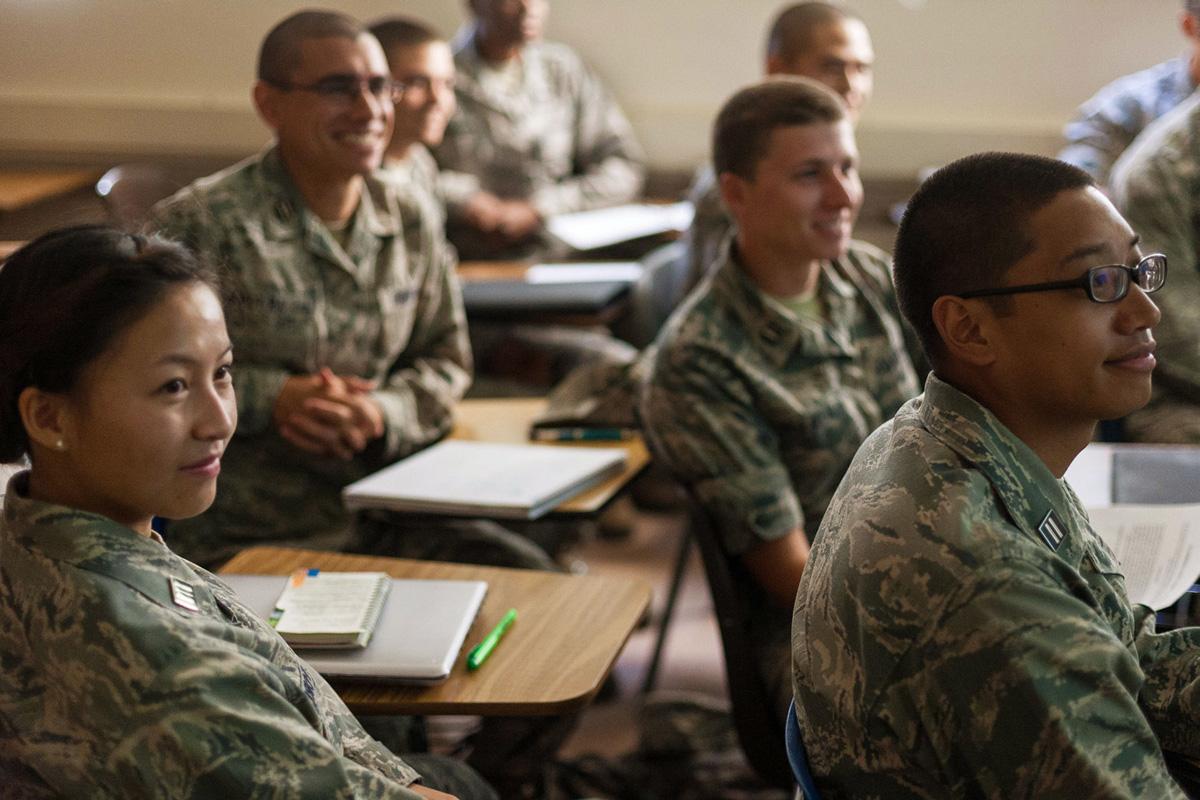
1107 123
387 308
417 178
560 141
1157 186
760 412
960 630
126 671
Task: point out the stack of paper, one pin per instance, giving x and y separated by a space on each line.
1158 545
588 230
512 481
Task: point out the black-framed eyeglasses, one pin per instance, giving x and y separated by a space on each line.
346 88
1106 284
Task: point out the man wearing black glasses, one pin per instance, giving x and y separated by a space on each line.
960 630
341 301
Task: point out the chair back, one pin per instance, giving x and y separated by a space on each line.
129 191
655 295
757 722
798 756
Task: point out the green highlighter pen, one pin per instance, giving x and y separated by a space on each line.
481 651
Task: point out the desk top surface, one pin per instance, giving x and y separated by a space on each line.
553 659
20 188
507 419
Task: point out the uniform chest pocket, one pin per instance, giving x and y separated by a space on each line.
398 308
277 328
1107 580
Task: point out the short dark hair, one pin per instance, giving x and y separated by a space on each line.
743 127
279 54
402 32
791 32
65 297
966 226
1192 7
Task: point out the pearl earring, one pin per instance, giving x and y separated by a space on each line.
59 445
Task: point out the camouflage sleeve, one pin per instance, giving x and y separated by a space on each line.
1047 710
1099 133
1157 194
186 219
710 226
419 395
702 421
609 166
1171 696
211 726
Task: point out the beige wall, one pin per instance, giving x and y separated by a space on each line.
116 76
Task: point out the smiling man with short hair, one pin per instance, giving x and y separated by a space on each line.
341 301
960 630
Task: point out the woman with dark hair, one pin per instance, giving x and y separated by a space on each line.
124 669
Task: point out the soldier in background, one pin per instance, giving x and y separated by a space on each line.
128 671
770 374
960 629
1156 184
422 64
815 40
1107 123
536 134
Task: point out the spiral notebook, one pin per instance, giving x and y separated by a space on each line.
330 609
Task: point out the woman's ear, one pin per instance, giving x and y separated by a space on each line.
44 415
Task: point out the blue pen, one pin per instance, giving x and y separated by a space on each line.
580 434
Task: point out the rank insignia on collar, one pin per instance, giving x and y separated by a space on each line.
1052 530
184 595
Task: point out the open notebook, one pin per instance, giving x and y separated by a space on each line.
510 481
417 638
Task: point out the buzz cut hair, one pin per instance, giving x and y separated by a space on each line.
791 33
966 226
742 131
403 32
279 55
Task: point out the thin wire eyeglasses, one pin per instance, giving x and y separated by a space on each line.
1107 284
346 89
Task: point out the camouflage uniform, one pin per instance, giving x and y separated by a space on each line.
110 687
759 412
960 630
387 308
1107 123
711 225
417 177
1157 186
557 139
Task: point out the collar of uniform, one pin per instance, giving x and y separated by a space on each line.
95 543
778 333
289 217
1021 480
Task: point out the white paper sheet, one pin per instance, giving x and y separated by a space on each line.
587 230
1157 546
1091 476
585 272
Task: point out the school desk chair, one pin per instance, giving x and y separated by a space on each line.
129 191
798 756
755 717
655 294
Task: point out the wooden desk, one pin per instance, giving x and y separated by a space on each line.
553 660
8 248
482 271
20 188
507 419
